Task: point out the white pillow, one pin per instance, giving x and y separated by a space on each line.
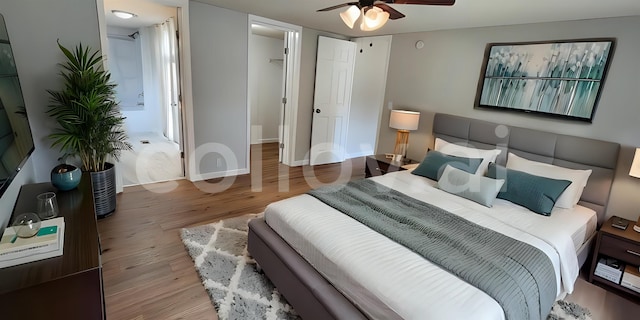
578 178
473 153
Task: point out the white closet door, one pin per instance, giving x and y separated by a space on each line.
332 100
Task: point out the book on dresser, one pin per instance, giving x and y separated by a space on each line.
609 269
47 243
631 278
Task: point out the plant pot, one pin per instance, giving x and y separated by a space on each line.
65 177
104 191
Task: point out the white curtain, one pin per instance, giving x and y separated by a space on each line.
160 74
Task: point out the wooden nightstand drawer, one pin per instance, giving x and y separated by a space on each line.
377 165
620 249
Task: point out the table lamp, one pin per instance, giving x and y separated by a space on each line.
404 121
635 172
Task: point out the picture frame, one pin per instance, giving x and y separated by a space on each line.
561 78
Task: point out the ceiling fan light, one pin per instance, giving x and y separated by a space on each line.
350 16
374 19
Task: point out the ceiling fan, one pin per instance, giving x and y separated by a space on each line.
376 12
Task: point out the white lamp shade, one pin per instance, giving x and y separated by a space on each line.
350 16
404 120
374 19
635 165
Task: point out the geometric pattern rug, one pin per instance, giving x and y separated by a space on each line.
236 287
239 290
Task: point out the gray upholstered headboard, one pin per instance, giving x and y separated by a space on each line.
561 150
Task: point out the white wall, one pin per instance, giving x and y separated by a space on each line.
367 99
442 77
125 65
219 41
33 27
265 76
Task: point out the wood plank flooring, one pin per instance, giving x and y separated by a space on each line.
149 275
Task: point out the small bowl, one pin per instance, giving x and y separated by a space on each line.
65 177
26 225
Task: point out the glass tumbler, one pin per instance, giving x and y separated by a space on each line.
47 205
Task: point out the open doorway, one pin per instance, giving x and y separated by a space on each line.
266 73
274 74
144 63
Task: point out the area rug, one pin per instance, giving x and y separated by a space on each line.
236 287
239 290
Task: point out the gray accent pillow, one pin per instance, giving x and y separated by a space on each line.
536 193
435 162
480 189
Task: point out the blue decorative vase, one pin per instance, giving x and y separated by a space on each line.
65 177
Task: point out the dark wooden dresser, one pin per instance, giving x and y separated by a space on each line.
64 287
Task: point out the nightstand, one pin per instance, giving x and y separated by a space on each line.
623 245
379 164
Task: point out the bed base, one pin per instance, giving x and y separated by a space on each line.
310 294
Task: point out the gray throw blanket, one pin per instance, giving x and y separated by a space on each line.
517 275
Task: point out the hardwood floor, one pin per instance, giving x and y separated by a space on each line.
149 275
604 305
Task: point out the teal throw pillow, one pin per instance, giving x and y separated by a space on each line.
435 162
480 189
536 193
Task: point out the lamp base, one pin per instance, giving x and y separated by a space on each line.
402 141
397 157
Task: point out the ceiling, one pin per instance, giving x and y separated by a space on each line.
149 13
464 14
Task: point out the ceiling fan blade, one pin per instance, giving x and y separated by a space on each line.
424 2
339 6
393 13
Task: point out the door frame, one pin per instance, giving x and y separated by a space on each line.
184 48
291 81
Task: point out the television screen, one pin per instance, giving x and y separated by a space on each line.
16 142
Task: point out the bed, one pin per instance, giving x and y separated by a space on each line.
374 278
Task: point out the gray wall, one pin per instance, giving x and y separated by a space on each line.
219 42
33 27
442 77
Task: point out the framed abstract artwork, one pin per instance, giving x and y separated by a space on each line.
559 78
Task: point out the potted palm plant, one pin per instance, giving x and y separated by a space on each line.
90 123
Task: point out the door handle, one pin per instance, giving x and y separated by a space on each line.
318 111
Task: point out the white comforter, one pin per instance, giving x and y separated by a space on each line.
389 280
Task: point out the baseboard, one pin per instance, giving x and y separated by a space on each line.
261 141
299 163
219 174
